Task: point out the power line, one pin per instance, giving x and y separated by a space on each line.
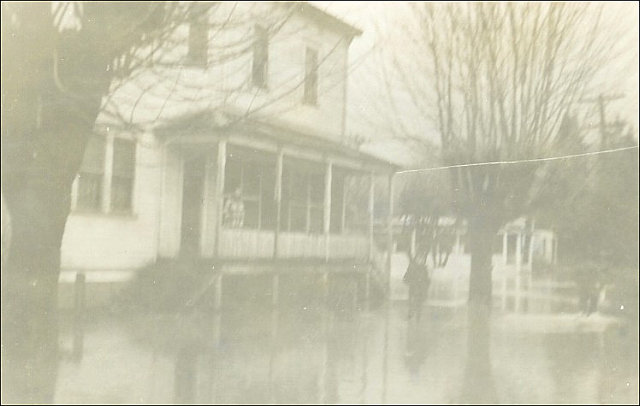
521 160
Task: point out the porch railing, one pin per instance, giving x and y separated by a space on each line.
256 244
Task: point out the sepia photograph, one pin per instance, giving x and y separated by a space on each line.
319 202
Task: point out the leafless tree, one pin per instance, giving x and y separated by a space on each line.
62 64
496 80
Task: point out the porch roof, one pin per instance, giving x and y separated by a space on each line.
217 123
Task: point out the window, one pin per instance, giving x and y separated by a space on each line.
91 175
311 77
260 64
198 36
316 202
106 159
124 158
302 201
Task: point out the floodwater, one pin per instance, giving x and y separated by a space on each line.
302 352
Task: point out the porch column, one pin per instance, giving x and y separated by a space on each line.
519 251
518 270
530 253
105 204
530 259
390 233
371 203
327 207
505 247
278 197
343 212
554 253
220 172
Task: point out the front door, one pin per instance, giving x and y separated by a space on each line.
192 199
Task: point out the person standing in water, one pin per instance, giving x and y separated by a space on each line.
417 277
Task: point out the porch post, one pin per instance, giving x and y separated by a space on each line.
519 251
518 270
327 207
105 204
505 247
371 205
343 212
390 233
221 165
530 259
278 196
530 253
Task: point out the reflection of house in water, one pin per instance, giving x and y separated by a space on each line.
273 152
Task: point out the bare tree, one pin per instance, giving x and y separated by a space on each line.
63 66
497 80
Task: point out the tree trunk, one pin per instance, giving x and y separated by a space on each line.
38 212
481 238
478 385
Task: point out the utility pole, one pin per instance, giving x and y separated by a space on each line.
601 100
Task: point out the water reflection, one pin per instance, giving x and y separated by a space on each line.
316 353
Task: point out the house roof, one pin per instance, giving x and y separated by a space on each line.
310 11
204 121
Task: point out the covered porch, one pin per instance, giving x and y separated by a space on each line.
255 192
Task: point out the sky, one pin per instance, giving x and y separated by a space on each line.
620 19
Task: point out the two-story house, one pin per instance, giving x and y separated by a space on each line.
231 146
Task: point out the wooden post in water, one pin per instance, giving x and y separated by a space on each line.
273 349
518 270
79 310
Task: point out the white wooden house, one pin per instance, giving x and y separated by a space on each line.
156 188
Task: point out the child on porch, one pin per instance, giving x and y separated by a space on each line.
234 210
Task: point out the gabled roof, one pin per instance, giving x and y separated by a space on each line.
312 12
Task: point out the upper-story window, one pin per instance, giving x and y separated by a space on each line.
198 36
106 177
311 77
260 65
